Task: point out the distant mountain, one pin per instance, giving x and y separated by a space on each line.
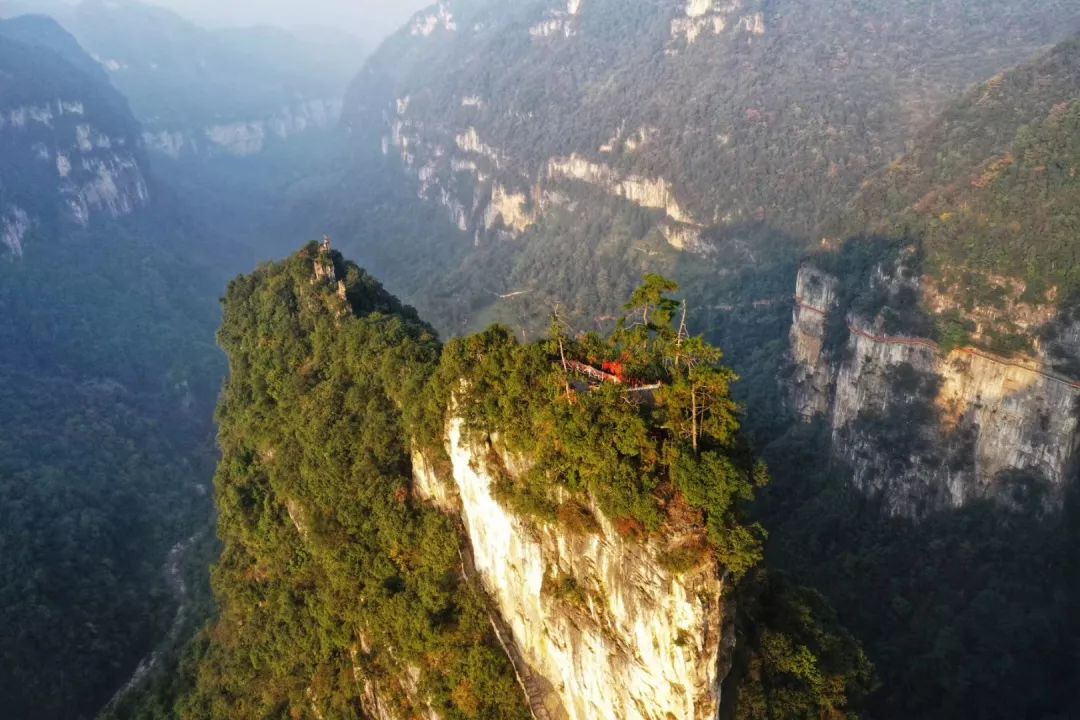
694 129
42 31
69 147
211 91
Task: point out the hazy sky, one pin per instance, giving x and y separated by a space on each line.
370 19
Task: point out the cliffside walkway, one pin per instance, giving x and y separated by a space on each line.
931 345
601 377
534 687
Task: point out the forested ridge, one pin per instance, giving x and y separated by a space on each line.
988 196
336 586
331 574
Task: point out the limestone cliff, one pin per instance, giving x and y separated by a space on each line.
65 147
924 428
598 628
714 113
69 147
247 137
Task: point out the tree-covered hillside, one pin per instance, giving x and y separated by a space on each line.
108 374
331 573
241 124
340 590
970 238
61 125
760 130
778 115
976 226
991 189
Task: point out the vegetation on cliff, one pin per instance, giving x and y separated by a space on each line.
332 577
988 200
640 453
335 584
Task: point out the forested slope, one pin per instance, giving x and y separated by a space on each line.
331 574
108 374
967 240
578 145
343 593
988 195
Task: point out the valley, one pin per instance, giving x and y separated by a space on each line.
700 359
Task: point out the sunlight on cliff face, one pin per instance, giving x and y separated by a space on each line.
605 630
1024 419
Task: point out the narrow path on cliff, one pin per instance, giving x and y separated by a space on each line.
930 344
174 578
536 688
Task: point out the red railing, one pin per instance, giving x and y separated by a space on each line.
930 344
605 377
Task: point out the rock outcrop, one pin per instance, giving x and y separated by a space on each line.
472 164
923 428
605 630
244 138
70 153
438 18
716 16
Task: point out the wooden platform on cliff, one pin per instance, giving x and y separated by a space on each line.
600 377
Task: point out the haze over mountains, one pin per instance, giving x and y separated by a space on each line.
869 207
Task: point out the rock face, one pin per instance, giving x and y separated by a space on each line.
924 429
653 193
92 170
472 163
70 152
716 16
244 138
438 18
13 228
724 139
605 630
813 375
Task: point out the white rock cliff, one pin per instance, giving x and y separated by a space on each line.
983 425
614 634
245 138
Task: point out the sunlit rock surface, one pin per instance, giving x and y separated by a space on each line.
924 429
613 633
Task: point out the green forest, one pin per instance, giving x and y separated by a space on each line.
913 150
954 610
330 573
985 208
335 582
107 378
